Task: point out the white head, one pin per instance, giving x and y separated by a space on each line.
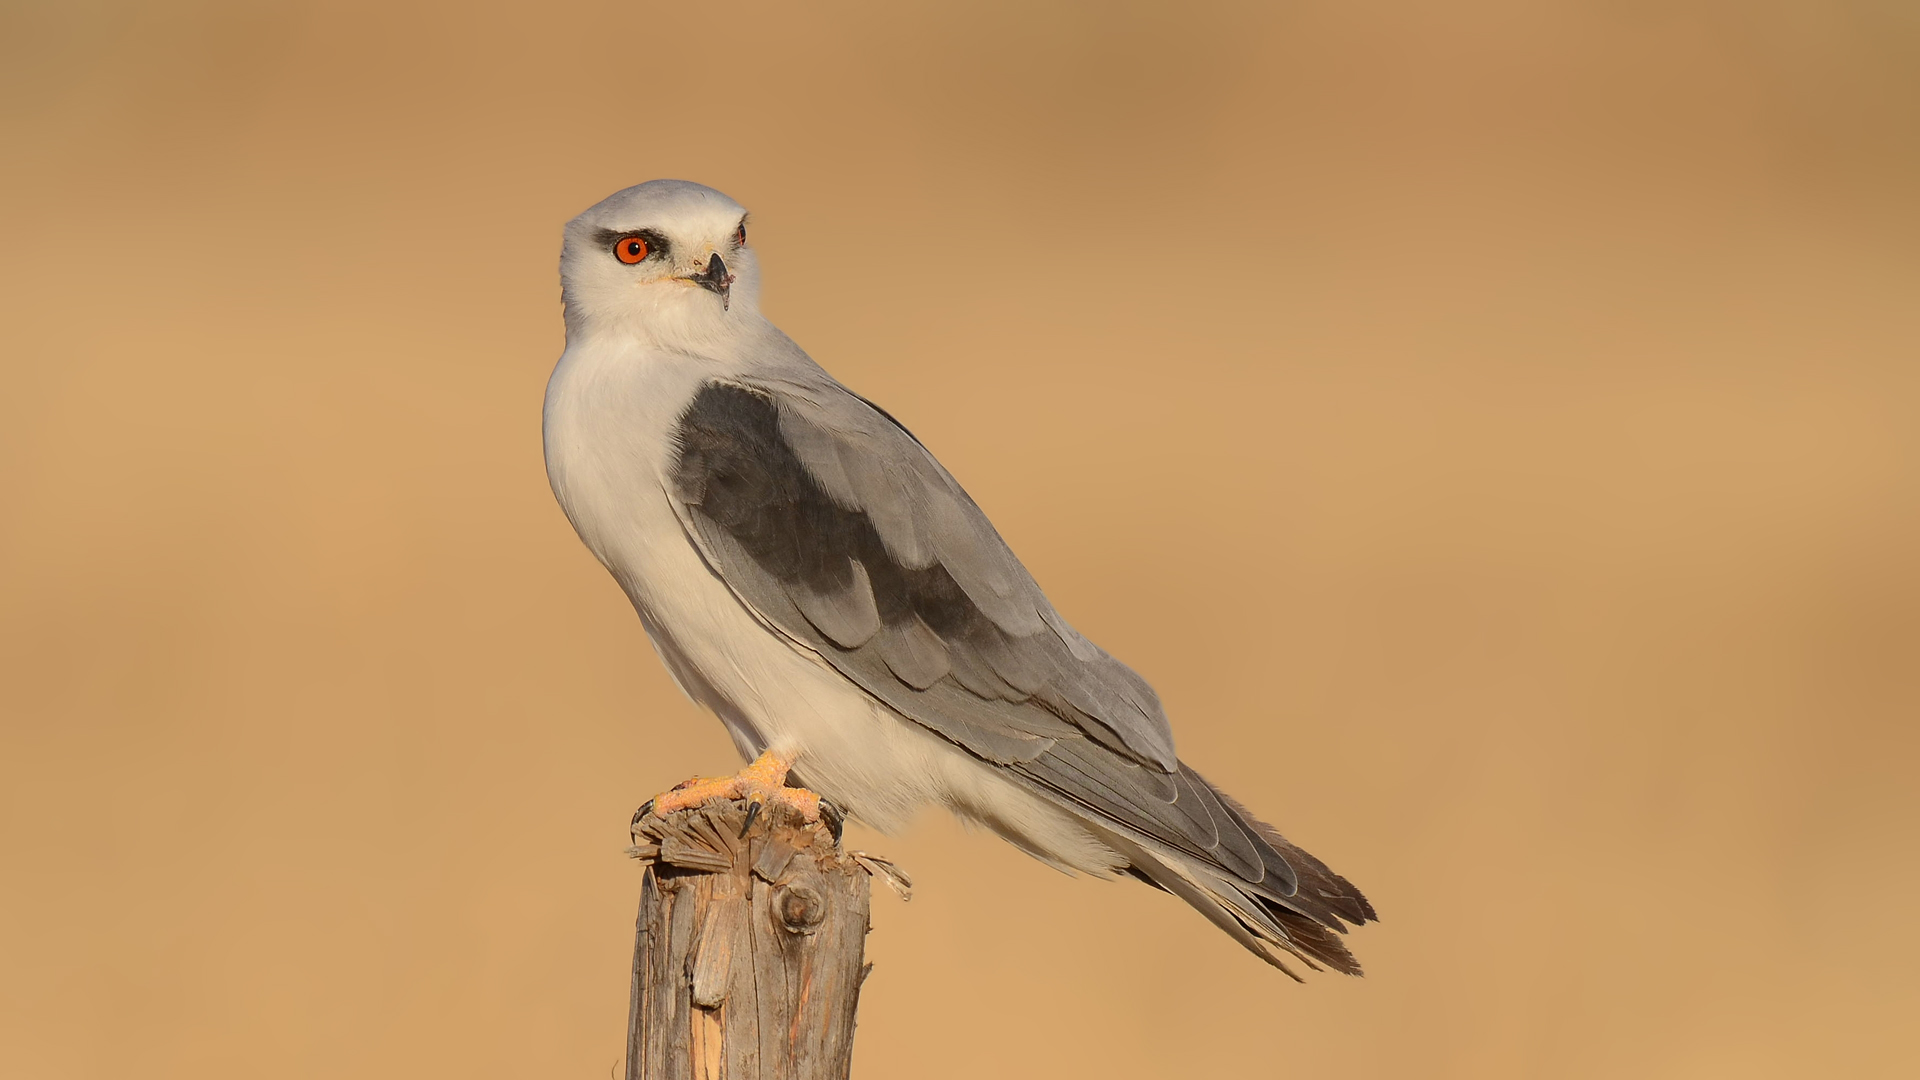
666 261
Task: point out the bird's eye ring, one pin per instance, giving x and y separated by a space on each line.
630 249
740 234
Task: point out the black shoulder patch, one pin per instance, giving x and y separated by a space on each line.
736 469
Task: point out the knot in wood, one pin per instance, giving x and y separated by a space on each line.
800 908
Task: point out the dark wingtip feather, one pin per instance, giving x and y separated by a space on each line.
1309 938
1319 886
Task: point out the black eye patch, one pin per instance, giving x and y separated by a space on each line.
657 245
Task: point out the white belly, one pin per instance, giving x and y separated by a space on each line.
610 414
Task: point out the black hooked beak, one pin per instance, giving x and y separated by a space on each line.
716 278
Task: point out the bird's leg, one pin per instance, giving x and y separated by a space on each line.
760 783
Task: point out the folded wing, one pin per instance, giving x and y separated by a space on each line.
833 523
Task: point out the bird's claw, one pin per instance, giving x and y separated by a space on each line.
834 818
763 782
760 783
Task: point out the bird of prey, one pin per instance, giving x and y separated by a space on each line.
809 572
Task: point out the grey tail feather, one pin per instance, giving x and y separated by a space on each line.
1163 870
1272 927
1318 882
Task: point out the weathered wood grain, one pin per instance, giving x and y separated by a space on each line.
748 952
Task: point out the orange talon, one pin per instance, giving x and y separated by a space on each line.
762 782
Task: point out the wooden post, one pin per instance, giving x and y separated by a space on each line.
747 957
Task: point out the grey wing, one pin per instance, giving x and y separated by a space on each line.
833 523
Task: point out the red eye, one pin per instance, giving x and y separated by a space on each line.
630 250
740 234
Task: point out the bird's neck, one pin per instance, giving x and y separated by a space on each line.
701 329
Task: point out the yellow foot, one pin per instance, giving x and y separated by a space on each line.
760 783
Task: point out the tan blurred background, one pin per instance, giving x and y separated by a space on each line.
1492 426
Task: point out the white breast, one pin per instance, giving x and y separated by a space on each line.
610 417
